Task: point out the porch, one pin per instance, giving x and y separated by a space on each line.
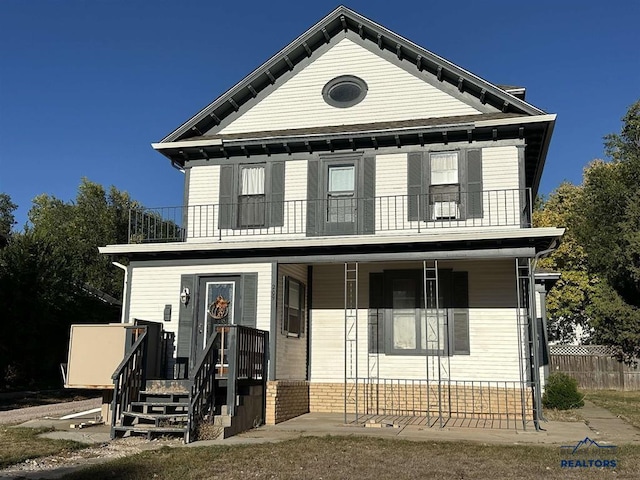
434 343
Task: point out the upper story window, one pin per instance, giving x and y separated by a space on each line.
344 91
340 193
251 201
444 168
445 192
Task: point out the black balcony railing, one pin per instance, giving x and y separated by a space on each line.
345 215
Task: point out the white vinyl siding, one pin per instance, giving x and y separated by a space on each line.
393 94
155 284
291 352
500 176
492 326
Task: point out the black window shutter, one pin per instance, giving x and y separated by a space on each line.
314 203
415 186
225 211
186 317
463 186
368 207
474 183
461 313
445 287
376 312
277 194
303 307
249 300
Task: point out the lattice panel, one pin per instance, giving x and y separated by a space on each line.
580 350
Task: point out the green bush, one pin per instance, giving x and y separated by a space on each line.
561 392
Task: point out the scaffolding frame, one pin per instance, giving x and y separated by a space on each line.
364 391
351 339
528 357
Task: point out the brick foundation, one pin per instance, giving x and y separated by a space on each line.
286 399
416 399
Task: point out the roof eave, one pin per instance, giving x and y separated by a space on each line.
343 19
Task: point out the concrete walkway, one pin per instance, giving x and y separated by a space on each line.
55 410
599 425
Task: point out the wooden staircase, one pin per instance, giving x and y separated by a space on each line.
162 409
229 395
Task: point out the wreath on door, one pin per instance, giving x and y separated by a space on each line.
219 309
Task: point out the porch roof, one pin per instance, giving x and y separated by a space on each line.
486 243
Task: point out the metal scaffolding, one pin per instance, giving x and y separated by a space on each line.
351 340
528 358
437 398
437 359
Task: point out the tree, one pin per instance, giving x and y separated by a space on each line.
569 300
44 273
40 300
7 219
607 225
95 219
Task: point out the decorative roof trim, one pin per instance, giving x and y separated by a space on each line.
340 20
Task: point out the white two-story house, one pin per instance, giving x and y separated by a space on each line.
368 204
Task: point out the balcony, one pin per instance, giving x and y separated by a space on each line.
392 215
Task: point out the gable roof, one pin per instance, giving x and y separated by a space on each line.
503 112
343 19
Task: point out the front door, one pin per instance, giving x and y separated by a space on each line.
218 304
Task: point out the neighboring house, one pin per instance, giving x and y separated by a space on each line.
368 204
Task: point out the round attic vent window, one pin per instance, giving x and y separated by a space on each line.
344 91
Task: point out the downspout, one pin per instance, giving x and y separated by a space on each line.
537 401
124 290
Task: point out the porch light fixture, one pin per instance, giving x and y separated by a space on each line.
344 91
185 296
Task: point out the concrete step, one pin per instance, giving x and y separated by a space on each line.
149 430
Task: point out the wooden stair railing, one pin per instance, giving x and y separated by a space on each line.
202 387
128 378
248 359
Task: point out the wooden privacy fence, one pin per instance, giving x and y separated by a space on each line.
593 367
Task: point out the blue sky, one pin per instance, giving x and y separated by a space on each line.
86 86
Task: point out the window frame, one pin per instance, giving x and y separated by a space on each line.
301 317
444 195
260 199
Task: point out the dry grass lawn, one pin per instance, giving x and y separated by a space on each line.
360 457
624 404
19 444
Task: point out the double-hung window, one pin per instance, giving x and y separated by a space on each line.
251 198
401 322
445 188
341 189
293 318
